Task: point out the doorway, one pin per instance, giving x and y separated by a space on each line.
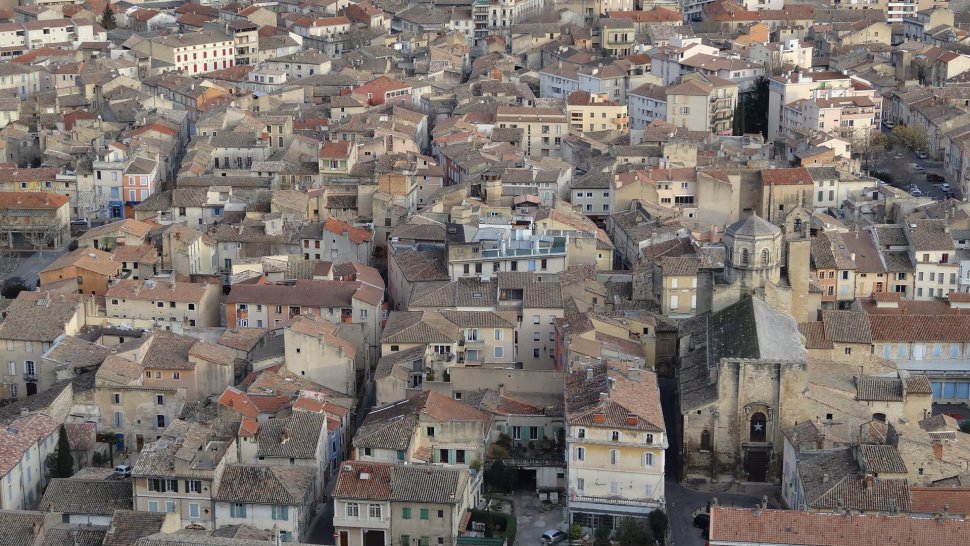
374 538
344 538
756 466
31 388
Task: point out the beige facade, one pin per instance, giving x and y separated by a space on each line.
164 304
542 129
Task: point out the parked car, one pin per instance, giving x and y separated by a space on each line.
921 154
554 536
934 178
888 124
916 192
79 222
916 166
122 471
945 187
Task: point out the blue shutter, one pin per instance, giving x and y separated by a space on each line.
542 433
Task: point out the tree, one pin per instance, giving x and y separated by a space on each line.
60 463
658 524
965 426
911 137
634 532
9 258
602 537
45 232
108 18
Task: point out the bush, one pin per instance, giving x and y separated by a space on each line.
575 532
501 477
505 441
658 524
965 426
497 523
634 532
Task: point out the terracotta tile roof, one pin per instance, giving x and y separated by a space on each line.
847 326
336 149
392 426
17 527
932 500
683 266
32 200
375 485
815 337
786 177
293 437
80 436
20 435
87 259
783 527
340 227
91 497
128 526
127 227
37 320
427 484
140 254
629 394
264 484
910 328
252 405
881 459
853 493
151 290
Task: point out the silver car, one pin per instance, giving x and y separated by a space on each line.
554 536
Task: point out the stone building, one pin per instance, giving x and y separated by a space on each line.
739 368
752 252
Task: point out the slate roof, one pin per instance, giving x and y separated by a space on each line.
264 484
852 493
463 292
77 353
753 225
419 327
929 235
92 497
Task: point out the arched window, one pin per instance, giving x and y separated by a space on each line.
759 427
881 417
798 224
705 440
744 256
765 257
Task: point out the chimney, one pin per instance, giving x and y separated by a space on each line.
938 451
632 420
501 389
764 502
599 418
825 478
869 481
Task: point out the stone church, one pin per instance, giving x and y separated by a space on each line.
739 367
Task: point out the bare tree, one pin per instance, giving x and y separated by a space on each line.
9 258
45 232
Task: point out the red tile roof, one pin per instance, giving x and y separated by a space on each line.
932 500
364 480
32 200
339 149
786 177
339 227
748 526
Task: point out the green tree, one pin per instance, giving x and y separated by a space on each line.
658 524
965 426
602 537
501 477
60 463
634 532
108 18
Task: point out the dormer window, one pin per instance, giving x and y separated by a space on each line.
615 436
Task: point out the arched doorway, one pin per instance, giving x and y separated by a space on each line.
759 427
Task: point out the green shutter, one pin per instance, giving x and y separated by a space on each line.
542 433
451 456
405 540
406 513
424 513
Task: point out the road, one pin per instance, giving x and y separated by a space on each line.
906 169
31 264
683 502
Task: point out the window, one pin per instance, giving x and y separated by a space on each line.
516 433
374 511
169 506
160 399
581 433
498 334
744 256
535 353
535 319
580 454
176 375
153 506
705 440
424 513
238 510
116 398
580 485
353 510
759 427
499 352
282 513
12 368
430 431
765 258
193 486
647 459
119 419
533 433
648 439
405 513
615 436
194 510
441 514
